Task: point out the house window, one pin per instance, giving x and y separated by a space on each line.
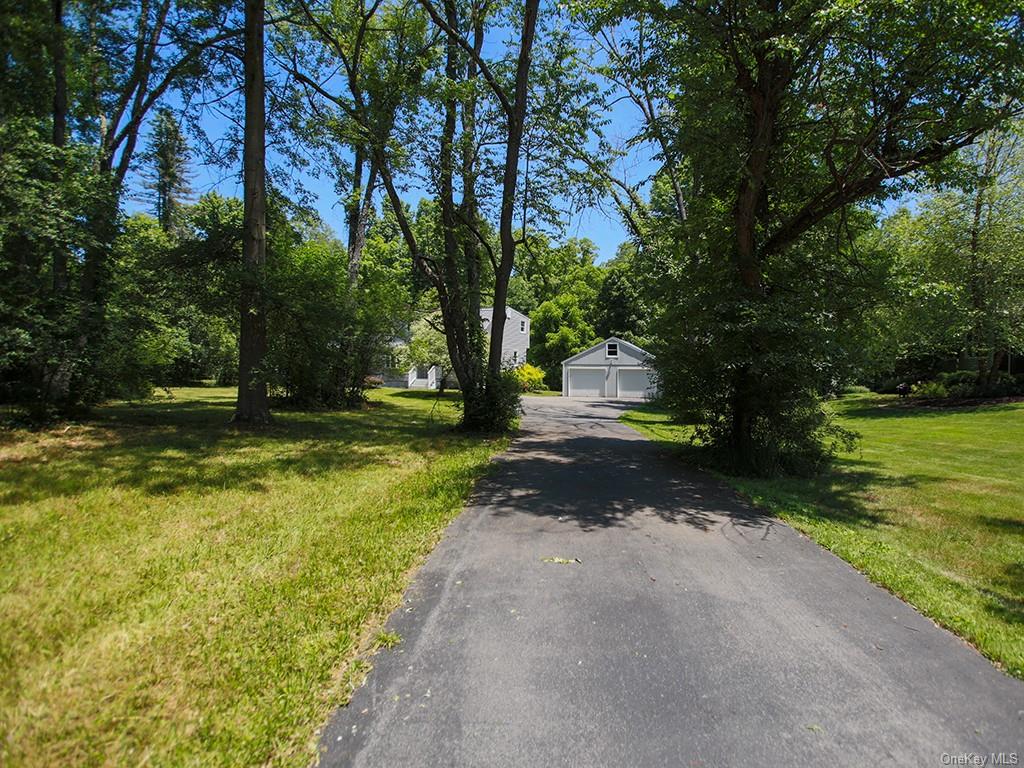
522 326
515 355
612 350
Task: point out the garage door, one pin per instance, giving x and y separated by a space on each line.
586 383
635 384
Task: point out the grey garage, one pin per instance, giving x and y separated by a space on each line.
613 369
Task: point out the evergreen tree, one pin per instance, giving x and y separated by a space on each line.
167 168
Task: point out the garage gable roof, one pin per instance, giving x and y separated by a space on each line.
642 354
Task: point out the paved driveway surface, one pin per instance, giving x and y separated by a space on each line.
693 632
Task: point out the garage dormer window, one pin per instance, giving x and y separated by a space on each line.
612 349
522 326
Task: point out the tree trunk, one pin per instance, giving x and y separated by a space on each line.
358 216
252 406
993 371
975 284
510 176
741 430
763 87
60 128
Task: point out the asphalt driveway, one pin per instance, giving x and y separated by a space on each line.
685 629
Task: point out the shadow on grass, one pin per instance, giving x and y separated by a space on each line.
1010 525
428 394
170 446
887 408
1009 607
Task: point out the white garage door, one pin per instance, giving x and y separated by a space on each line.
586 383
635 383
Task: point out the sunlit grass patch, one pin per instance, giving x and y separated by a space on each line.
176 591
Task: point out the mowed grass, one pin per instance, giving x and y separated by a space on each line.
930 505
177 592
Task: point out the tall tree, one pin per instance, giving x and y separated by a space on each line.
775 119
167 167
252 406
959 267
514 110
58 57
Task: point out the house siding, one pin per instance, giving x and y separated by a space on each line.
515 345
514 342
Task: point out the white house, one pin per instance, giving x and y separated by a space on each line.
515 345
515 340
613 369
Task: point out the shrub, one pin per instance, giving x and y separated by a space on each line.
929 390
530 378
800 439
1002 385
496 408
960 391
958 378
886 386
964 384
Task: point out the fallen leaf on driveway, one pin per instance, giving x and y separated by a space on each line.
562 560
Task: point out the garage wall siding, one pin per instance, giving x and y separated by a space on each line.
596 356
581 373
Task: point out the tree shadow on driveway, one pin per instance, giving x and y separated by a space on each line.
603 480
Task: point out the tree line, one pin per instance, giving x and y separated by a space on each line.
756 267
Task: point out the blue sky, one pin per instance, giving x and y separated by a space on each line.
601 226
600 223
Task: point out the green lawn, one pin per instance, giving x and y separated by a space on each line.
175 592
930 505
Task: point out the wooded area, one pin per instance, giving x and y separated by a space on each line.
767 268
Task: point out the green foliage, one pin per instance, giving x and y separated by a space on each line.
545 271
427 344
529 377
45 197
326 335
621 306
141 341
166 173
559 329
929 390
792 347
958 268
498 410
761 295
